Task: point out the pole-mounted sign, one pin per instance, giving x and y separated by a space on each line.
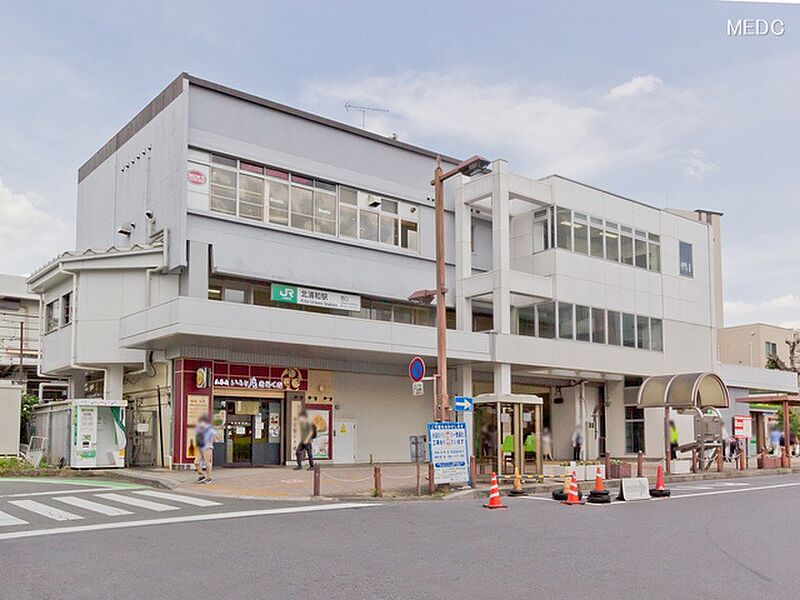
416 369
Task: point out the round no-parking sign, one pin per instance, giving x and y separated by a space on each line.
416 369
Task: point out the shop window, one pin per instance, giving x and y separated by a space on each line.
324 212
614 328
251 197
223 191
546 320
643 333
582 324
634 429
598 326
628 331
566 330
686 259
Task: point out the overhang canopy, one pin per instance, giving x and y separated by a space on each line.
508 398
684 390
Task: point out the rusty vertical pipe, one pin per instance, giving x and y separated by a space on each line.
640 464
431 484
316 480
743 457
608 464
378 483
472 471
720 457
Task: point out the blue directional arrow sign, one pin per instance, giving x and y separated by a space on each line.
462 404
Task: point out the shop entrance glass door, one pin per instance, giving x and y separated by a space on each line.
239 439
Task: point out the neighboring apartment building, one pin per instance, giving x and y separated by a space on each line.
753 344
247 259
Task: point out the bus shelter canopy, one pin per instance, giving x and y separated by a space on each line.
507 399
684 390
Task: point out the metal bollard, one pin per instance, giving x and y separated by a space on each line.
694 461
639 464
742 459
608 465
431 484
472 470
378 483
316 480
720 458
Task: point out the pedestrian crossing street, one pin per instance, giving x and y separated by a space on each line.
94 504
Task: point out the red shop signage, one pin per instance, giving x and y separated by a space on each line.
288 379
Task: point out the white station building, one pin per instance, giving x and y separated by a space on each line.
243 258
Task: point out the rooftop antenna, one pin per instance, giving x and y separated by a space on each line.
350 107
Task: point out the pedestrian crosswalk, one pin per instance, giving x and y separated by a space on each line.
93 505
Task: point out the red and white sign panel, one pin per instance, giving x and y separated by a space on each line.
742 427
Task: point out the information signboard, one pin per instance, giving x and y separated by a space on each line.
742 427
447 449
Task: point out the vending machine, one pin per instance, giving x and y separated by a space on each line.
97 433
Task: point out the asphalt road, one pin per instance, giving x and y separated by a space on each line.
711 540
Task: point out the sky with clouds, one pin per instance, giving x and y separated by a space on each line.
649 99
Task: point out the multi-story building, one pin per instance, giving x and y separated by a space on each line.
247 259
753 344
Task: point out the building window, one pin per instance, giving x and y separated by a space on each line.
628 331
612 241
51 316
598 326
566 330
66 309
541 230
408 235
614 329
580 226
223 191
640 247
526 320
634 429
770 348
368 225
596 245
654 252
656 335
251 197
583 328
626 245
546 320
278 203
564 228
302 208
686 261
643 333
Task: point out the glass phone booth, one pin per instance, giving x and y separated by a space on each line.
507 434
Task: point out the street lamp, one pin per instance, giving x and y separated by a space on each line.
471 166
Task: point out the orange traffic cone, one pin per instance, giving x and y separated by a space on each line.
660 491
494 495
572 494
517 489
599 495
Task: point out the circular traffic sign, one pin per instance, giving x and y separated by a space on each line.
416 369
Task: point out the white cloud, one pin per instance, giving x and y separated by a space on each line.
696 164
30 233
781 310
545 129
642 84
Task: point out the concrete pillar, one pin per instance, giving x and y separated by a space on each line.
194 279
502 379
501 247
615 417
112 385
77 385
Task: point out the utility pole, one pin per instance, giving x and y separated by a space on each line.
21 344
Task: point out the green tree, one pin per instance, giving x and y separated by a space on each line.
28 401
794 420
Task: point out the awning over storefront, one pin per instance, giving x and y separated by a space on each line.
507 398
684 390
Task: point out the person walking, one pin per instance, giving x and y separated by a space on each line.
673 440
307 433
204 435
775 441
547 444
577 443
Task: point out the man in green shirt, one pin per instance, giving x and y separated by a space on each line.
306 431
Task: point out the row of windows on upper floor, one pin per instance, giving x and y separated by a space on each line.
263 194
582 233
549 320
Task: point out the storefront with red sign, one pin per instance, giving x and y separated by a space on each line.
253 408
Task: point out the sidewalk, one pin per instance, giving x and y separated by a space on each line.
284 483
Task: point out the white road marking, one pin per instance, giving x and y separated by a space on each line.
730 484
46 511
693 488
737 490
184 519
137 502
6 519
178 498
53 493
103 509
